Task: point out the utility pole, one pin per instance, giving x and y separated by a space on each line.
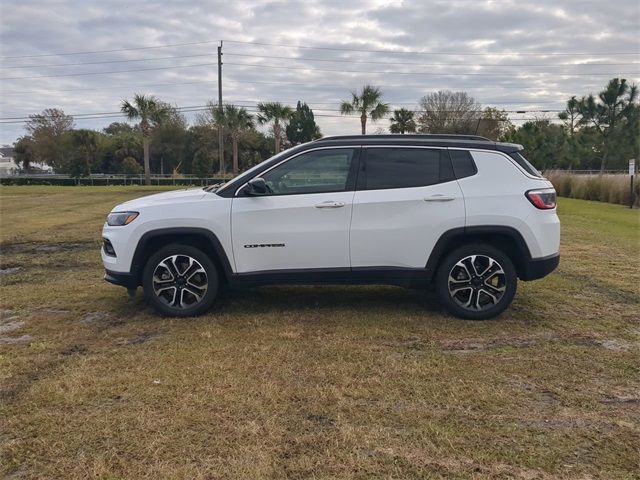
220 111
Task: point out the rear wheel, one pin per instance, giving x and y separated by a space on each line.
476 282
180 281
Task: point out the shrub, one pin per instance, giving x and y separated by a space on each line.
602 188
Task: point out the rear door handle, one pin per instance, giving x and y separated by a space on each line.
330 204
439 198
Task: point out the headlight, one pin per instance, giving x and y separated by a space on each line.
118 219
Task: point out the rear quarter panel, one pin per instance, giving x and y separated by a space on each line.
496 196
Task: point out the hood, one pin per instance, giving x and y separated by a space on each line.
174 196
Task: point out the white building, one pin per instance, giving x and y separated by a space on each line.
8 166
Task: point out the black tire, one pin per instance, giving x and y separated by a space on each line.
171 288
494 289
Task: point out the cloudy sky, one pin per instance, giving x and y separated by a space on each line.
86 56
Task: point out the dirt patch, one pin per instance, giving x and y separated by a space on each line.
7 327
16 340
470 346
35 248
138 339
6 313
618 345
95 317
621 400
10 270
75 350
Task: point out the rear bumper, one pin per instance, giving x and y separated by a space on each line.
126 280
540 267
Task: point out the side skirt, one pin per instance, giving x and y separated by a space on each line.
402 277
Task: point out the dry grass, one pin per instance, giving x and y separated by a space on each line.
601 188
305 382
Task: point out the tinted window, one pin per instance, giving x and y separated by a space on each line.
313 172
405 167
462 162
524 164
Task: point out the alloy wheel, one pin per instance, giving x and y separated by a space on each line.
180 281
477 282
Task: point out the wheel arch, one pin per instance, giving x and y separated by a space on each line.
507 239
200 238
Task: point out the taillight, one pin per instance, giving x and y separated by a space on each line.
544 199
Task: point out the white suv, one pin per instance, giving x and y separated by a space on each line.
465 214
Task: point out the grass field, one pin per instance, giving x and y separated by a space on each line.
312 382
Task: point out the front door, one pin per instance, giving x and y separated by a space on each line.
303 220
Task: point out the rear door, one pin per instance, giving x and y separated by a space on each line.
406 198
303 222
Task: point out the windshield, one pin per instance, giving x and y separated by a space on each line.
248 173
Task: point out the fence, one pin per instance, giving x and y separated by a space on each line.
97 179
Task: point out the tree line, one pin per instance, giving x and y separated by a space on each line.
593 131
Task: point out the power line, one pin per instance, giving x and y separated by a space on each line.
414 52
110 72
107 61
128 87
87 52
249 82
254 65
306 59
386 72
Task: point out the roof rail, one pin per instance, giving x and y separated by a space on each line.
425 136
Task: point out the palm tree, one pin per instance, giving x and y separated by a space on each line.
276 112
235 121
150 111
368 103
402 121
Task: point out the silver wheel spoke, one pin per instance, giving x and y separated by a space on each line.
466 270
489 267
493 290
458 290
494 300
195 294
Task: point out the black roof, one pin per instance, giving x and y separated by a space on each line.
459 141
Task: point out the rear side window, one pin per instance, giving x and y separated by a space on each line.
404 168
525 165
462 162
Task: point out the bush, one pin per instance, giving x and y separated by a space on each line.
602 188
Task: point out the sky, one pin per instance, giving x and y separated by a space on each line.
86 56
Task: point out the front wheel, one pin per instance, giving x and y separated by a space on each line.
180 281
476 282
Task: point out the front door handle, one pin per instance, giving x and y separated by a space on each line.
330 204
439 198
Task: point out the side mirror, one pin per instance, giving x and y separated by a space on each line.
256 187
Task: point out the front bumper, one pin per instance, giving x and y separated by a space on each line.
540 267
126 280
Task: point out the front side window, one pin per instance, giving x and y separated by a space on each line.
405 167
319 171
